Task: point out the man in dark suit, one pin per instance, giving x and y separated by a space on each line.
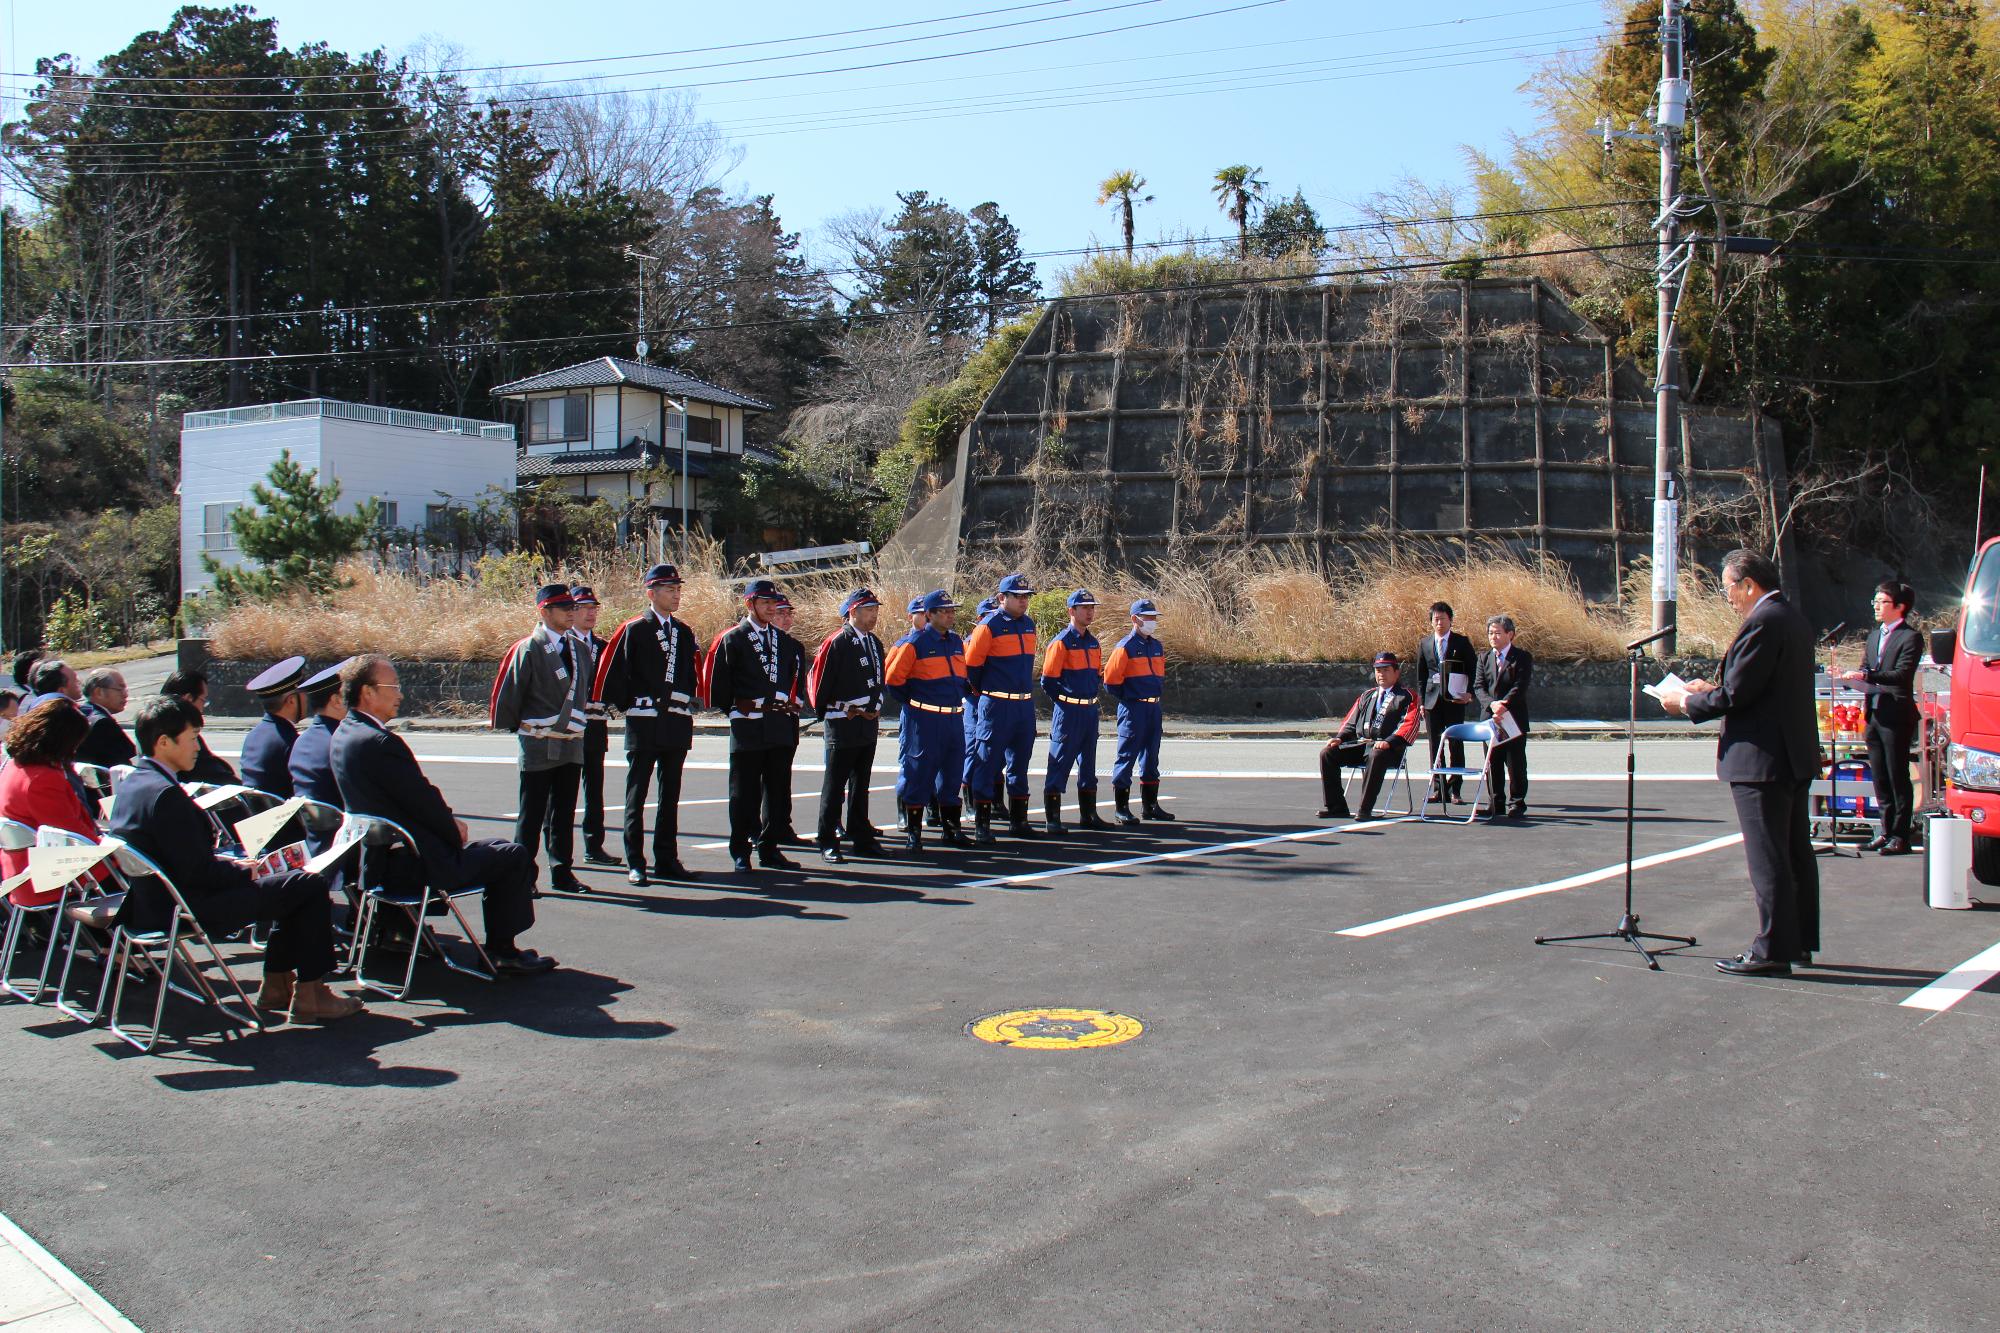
1501 687
1889 675
193 687
161 821
379 776
1768 753
104 696
1444 653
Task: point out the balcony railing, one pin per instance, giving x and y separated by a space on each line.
432 422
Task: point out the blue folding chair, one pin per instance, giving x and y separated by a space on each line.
1480 733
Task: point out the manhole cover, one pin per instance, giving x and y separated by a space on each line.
1055 1029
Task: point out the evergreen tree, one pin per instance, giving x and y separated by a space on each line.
293 535
924 265
1290 227
1004 281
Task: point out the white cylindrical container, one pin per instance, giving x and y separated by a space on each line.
1948 863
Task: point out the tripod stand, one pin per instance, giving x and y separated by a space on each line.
1628 924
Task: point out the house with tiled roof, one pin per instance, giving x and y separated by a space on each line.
601 427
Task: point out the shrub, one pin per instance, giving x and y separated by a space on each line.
76 625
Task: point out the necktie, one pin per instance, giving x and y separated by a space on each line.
569 663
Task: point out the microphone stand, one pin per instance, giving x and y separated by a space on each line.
1627 928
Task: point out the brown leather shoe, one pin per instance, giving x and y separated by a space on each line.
275 996
316 1002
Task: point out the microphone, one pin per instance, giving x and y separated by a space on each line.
1831 635
1651 638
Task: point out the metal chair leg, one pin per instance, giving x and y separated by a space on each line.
16 927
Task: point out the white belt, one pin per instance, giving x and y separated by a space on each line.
546 734
1015 698
1080 703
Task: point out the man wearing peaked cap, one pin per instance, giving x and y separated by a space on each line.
925 671
1136 675
540 695
1000 661
1373 736
267 750
846 691
311 762
972 784
1073 677
778 828
751 673
651 672
596 724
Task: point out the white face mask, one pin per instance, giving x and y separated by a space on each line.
1149 627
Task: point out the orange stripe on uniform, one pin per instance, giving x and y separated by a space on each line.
934 668
896 668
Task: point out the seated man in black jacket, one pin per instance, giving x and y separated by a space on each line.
161 821
379 776
104 695
1373 736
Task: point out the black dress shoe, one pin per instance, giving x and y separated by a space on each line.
1754 967
1517 812
1896 847
742 864
566 882
1331 813
524 962
832 856
776 860
1876 843
674 870
636 877
597 856
869 847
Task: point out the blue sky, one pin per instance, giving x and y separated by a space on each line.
1335 97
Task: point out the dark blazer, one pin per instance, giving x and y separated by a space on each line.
106 743
1770 730
632 677
1890 663
1432 672
378 775
848 666
208 768
267 755
158 818
738 683
1494 683
311 763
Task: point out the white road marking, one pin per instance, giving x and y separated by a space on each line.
714 846
1597 876
38 1290
1184 854
1958 983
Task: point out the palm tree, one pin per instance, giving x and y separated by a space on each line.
1124 186
1236 188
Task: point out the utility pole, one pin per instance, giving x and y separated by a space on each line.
1669 120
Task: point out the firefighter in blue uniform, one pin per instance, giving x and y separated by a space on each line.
925 671
1136 675
976 789
267 750
1000 660
1072 677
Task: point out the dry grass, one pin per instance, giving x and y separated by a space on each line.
1261 606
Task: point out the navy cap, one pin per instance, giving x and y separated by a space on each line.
1016 584
1388 659
323 683
1082 597
938 601
986 608
760 588
859 597
278 680
583 595
1144 607
916 606
556 595
659 574
781 603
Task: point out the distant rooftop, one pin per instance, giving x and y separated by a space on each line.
431 422
605 371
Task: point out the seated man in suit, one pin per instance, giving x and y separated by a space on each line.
160 820
1375 732
378 775
1501 687
106 744
1889 675
193 687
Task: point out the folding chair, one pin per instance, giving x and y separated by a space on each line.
1402 769
94 776
379 839
1464 732
174 946
91 906
18 837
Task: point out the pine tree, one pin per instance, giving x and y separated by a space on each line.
1003 280
293 534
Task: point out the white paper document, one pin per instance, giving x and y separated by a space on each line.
53 867
343 842
1457 685
1669 684
257 830
1505 728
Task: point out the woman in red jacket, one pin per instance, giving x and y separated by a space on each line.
35 785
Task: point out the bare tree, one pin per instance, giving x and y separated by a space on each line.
655 147
858 410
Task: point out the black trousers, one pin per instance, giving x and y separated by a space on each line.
596 742
640 765
298 905
1508 779
778 803
1784 874
846 785
1889 765
1334 757
1446 714
506 871
548 812
751 774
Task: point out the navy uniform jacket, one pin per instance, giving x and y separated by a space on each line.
1890 663
632 677
1770 727
378 775
1507 683
106 743
311 762
739 685
160 820
208 768
847 670
267 756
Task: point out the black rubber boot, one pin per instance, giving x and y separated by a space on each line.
1149 802
913 829
954 833
1086 809
1052 814
1017 817
1123 800
932 818
982 823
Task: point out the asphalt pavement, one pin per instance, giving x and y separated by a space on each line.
1363 1097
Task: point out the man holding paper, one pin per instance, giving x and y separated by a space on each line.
1501 687
1445 667
1768 753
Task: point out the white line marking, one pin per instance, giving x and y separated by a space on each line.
1418 918
714 846
1958 983
95 1306
1185 853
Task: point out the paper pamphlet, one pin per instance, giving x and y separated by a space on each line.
343 843
257 830
215 796
1505 728
1669 684
53 867
1457 685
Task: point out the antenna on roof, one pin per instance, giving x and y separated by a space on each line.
643 259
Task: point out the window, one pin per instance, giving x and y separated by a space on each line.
389 514
554 420
704 430
215 533
437 520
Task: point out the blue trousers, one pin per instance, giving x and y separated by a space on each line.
931 747
1006 734
1072 744
970 765
1138 743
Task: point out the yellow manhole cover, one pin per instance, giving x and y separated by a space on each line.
1055 1029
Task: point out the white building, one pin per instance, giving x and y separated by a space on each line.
417 464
